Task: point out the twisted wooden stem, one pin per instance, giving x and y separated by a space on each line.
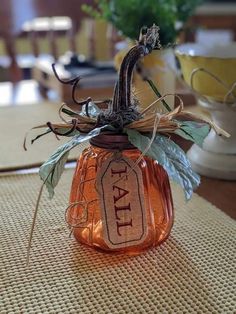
122 93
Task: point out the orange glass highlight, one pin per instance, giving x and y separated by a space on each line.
84 212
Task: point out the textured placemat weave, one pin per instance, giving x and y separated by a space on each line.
192 272
14 123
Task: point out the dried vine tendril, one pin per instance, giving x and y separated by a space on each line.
54 130
74 82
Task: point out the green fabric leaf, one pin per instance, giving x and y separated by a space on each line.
141 142
171 157
193 131
51 171
178 165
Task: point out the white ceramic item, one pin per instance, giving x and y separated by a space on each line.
217 157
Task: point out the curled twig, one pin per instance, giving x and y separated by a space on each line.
74 82
70 82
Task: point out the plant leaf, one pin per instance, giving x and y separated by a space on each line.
193 131
51 171
156 91
171 157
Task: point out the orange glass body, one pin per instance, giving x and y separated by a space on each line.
84 213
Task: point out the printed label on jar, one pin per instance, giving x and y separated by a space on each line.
120 187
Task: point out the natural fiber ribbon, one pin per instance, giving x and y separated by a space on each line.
166 125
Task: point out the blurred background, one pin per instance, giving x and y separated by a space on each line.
34 33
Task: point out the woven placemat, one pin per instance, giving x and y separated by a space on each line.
192 272
15 122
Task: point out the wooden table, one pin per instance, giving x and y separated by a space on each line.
221 193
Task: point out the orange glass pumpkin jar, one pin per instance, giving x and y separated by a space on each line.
85 214
120 200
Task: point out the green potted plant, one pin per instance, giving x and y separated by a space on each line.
129 16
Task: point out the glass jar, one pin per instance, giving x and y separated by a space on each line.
151 215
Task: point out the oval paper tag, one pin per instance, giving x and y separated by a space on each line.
120 187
